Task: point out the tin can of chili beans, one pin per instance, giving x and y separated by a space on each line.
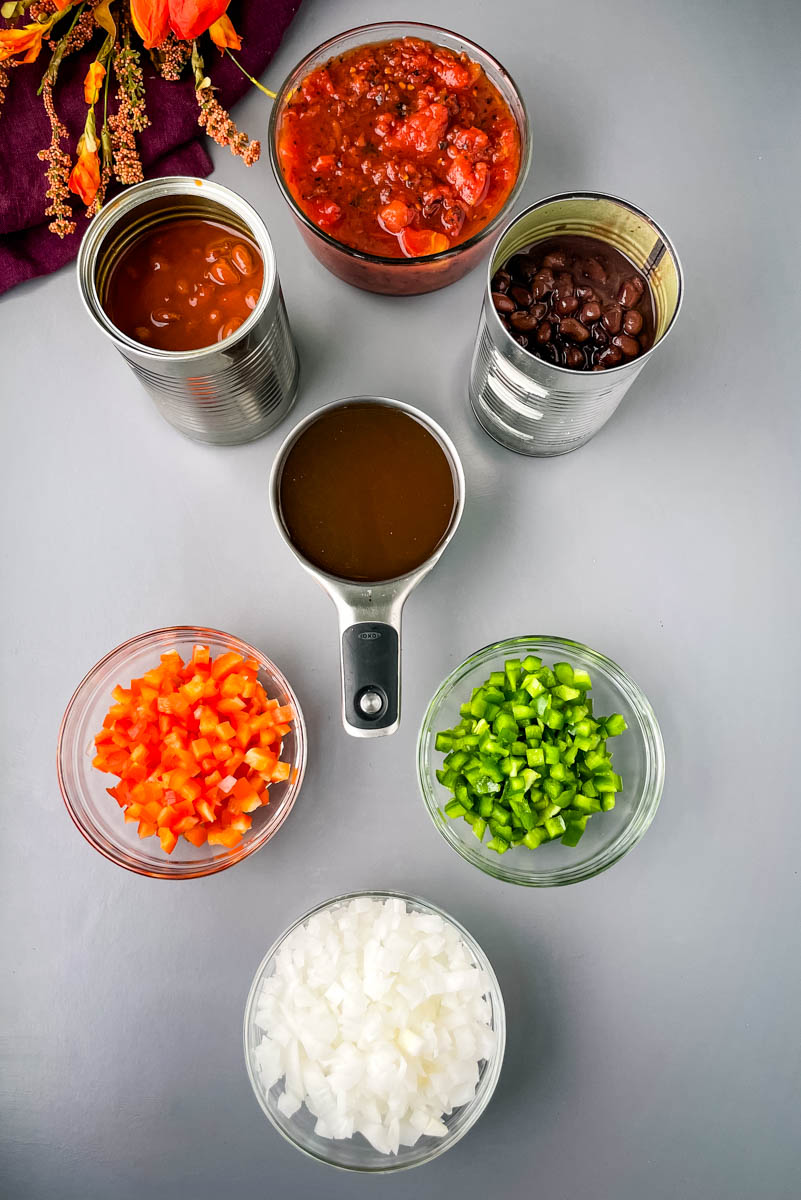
539 407
238 388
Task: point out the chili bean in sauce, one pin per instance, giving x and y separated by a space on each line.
399 149
185 284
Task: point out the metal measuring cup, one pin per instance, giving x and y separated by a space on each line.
532 406
232 391
370 613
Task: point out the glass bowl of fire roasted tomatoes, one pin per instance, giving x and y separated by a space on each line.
399 148
181 752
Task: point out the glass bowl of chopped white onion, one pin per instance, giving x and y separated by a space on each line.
374 1032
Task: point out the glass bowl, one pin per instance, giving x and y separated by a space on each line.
83 787
372 272
356 1153
638 756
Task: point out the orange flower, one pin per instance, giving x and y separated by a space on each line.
190 18
28 38
84 179
93 82
151 20
224 35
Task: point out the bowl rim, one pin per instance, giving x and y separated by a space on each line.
245 848
647 802
423 28
494 1066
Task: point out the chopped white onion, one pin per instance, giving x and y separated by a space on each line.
377 1019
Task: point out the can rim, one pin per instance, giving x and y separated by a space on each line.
558 196
130 199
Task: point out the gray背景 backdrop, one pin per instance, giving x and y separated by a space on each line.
652 1012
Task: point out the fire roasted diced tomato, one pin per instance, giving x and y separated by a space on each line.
393 146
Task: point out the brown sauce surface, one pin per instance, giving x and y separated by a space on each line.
367 493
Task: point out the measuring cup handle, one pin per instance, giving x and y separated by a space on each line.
370 678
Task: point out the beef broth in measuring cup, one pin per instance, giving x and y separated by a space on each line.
367 493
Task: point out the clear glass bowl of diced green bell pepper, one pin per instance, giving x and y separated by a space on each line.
619 734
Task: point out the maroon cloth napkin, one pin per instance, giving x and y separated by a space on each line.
173 144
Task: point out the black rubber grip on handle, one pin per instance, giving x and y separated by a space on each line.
370 669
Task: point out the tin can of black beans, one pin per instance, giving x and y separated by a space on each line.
541 408
235 390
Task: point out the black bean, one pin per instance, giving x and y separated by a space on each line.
565 285
502 303
520 295
539 310
595 270
523 322
610 357
522 265
629 345
613 318
590 312
570 327
585 293
544 333
574 358
632 322
556 259
631 291
566 305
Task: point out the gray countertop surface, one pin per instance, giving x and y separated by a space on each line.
653 1012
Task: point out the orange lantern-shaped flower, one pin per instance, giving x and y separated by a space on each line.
93 82
223 34
190 18
84 178
151 20
27 40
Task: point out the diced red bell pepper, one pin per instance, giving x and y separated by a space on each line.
225 663
178 740
168 840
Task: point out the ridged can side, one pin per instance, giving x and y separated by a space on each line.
540 417
237 401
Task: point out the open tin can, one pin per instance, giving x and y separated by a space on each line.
235 390
535 407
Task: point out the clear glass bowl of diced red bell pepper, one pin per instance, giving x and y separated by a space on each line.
102 818
638 757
